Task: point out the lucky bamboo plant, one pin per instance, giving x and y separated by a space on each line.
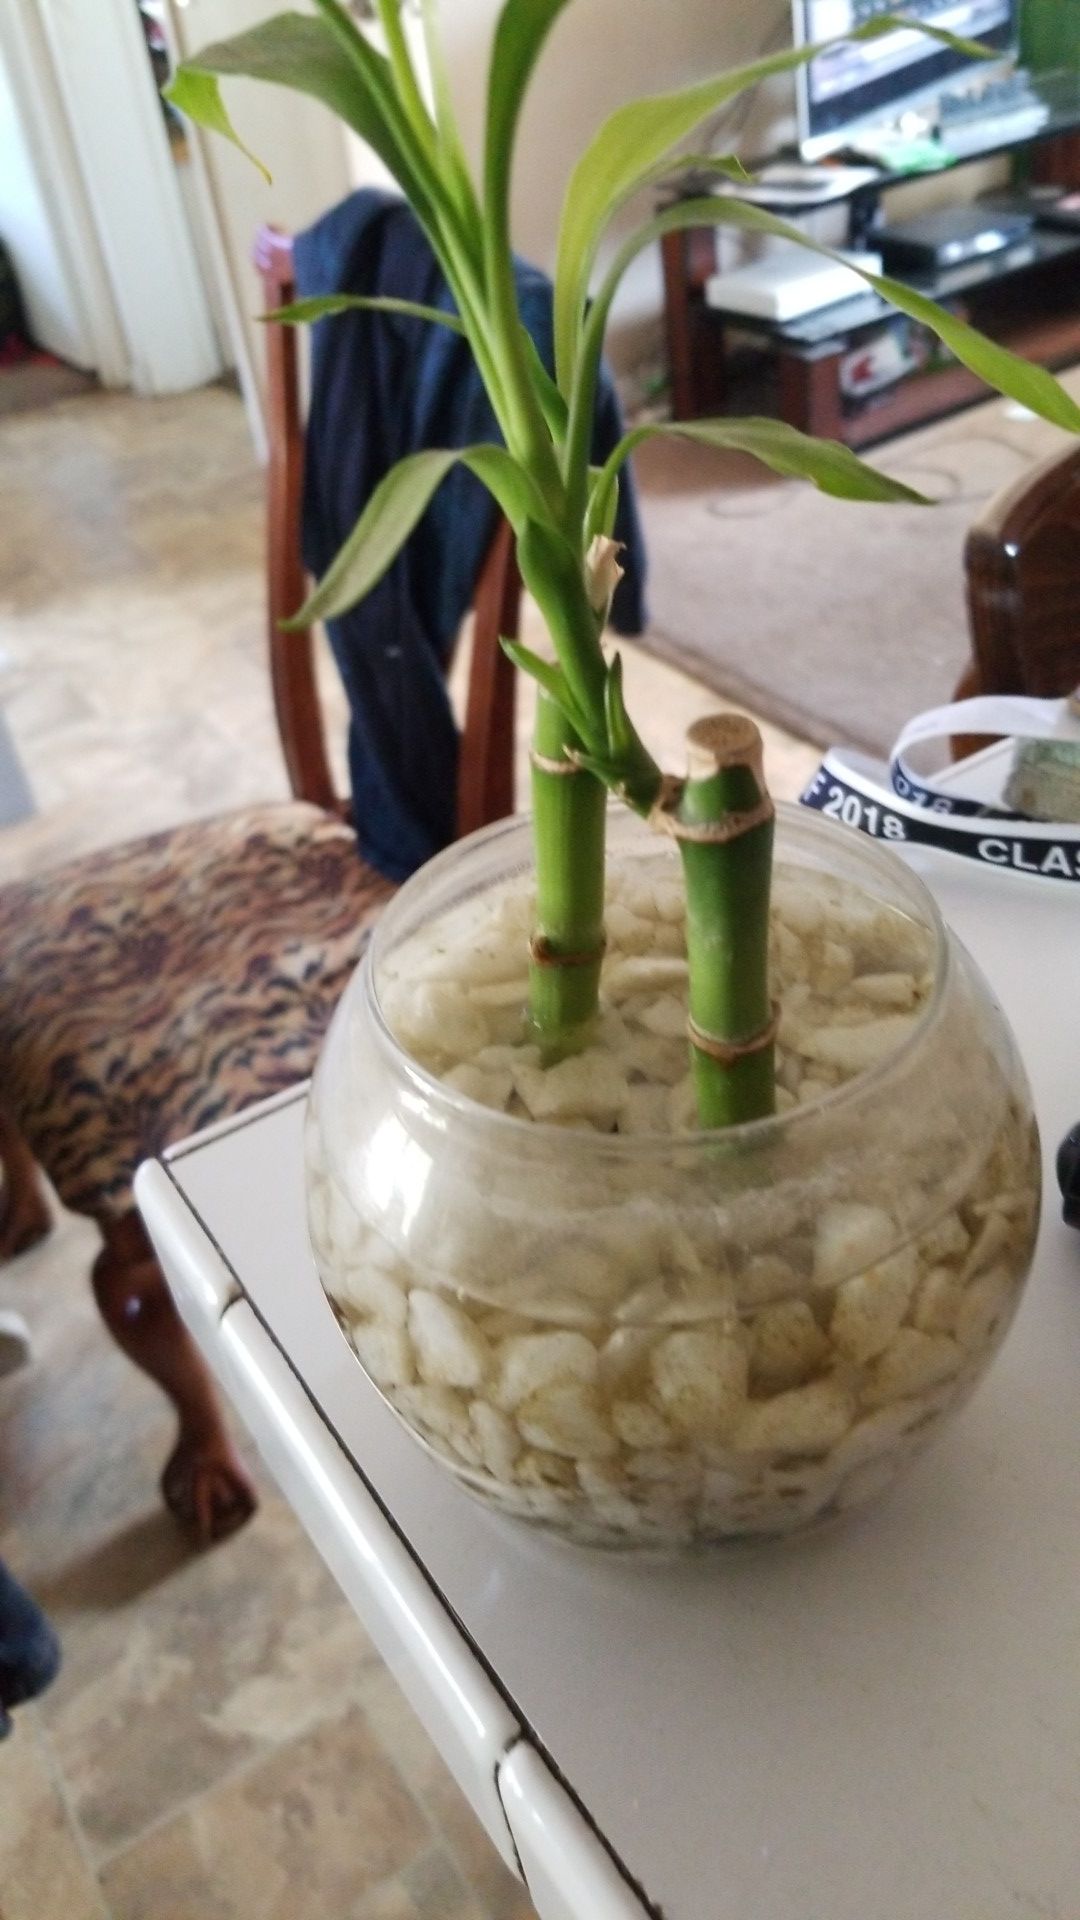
562 509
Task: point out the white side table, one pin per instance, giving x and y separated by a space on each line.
880 1723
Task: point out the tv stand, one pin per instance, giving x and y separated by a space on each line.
1027 298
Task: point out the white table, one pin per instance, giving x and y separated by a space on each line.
880 1723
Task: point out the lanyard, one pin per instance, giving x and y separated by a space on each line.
916 802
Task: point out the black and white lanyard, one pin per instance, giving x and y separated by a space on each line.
919 807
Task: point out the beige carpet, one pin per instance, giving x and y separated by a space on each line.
833 620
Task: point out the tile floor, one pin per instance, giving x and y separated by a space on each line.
223 1742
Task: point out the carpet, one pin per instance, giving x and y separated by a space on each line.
837 621
39 381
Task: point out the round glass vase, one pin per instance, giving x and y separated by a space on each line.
664 1340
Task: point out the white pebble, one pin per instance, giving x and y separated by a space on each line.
651 973
787 1345
639 1425
439 1411
850 1237
665 1016
946 1240
587 1086
886 989
871 1306
855 1049
624 1359
567 1420
937 1301
834 970
531 1362
497 1439
798 907
450 1351
911 1363
764 1279
983 1306
386 1353
435 1019
370 1293
807 1420
994 1236
487 1089
700 1376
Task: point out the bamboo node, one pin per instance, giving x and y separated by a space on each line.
545 765
731 826
542 954
729 1052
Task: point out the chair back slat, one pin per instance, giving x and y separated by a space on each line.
486 768
292 655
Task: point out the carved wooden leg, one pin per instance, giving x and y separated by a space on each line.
24 1211
204 1483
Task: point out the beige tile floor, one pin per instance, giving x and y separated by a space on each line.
223 1742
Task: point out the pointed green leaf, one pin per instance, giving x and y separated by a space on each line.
1001 369
319 57
199 97
547 675
829 465
394 509
522 28
302 313
631 144
455 166
556 412
378 536
511 484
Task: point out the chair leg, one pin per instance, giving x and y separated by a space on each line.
204 1483
24 1211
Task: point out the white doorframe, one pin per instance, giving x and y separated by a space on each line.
46 137
227 289
118 132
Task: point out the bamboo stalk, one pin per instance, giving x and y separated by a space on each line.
722 818
567 949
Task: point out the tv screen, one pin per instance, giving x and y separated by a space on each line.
855 83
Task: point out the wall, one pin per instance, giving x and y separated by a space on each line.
114 116
45 213
305 151
48 294
602 53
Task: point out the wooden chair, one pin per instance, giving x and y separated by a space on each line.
156 987
1022 561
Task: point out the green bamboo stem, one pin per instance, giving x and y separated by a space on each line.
722 818
569 817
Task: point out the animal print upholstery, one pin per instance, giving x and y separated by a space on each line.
156 987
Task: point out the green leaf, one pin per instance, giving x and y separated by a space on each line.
555 409
301 313
603 501
325 58
199 97
829 465
455 166
511 484
1002 370
631 144
522 28
396 505
547 675
1006 372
